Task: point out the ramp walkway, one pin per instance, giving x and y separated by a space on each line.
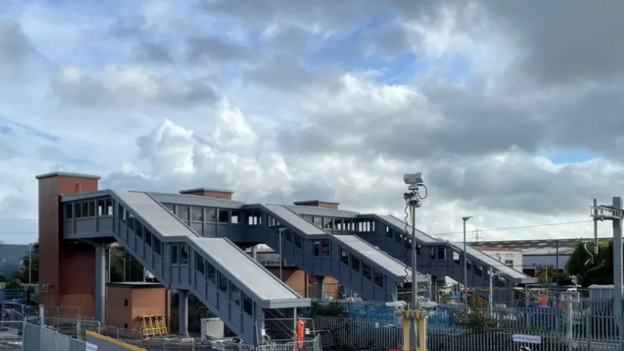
236 288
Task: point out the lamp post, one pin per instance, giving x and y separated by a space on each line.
30 247
465 219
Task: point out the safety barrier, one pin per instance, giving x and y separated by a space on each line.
100 342
36 338
305 345
152 325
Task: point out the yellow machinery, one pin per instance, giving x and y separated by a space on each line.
152 325
419 321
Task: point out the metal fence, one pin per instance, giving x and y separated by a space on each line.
582 324
36 338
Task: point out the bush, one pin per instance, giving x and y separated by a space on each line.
332 309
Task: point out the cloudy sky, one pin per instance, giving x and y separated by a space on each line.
513 110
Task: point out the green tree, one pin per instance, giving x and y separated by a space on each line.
23 275
546 274
14 284
589 268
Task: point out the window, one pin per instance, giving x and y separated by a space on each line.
288 235
389 233
441 253
318 221
223 283
344 256
355 263
235 218
510 263
157 245
174 254
131 222
297 241
91 208
255 218
317 248
212 273
366 271
379 278
324 248
224 216
398 237
328 223
432 252
199 263
211 215
85 209
183 212
148 237
235 294
170 207
456 257
197 214
469 265
105 207
69 214
125 302
247 305
184 254
125 325
138 230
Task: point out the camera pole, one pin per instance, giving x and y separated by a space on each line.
417 316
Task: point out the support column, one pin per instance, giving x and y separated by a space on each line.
183 312
100 283
254 253
260 324
319 284
617 271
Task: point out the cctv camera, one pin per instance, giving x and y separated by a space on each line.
397 306
413 178
429 305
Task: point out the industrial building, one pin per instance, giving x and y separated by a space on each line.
194 241
535 253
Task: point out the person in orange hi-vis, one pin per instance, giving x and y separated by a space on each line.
300 333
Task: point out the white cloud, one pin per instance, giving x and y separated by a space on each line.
286 106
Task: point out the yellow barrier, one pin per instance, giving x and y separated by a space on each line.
152 325
114 341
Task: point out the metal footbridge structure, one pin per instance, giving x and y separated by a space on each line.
194 244
234 286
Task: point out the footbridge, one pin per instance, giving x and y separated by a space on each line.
229 282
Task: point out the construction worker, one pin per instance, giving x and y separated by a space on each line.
300 333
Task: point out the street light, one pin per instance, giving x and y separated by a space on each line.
465 219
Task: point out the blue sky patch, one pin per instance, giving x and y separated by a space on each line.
568 156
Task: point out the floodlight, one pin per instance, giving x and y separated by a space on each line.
413 178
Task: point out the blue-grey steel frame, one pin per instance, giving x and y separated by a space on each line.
229 282
359 266
436 257
439 258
